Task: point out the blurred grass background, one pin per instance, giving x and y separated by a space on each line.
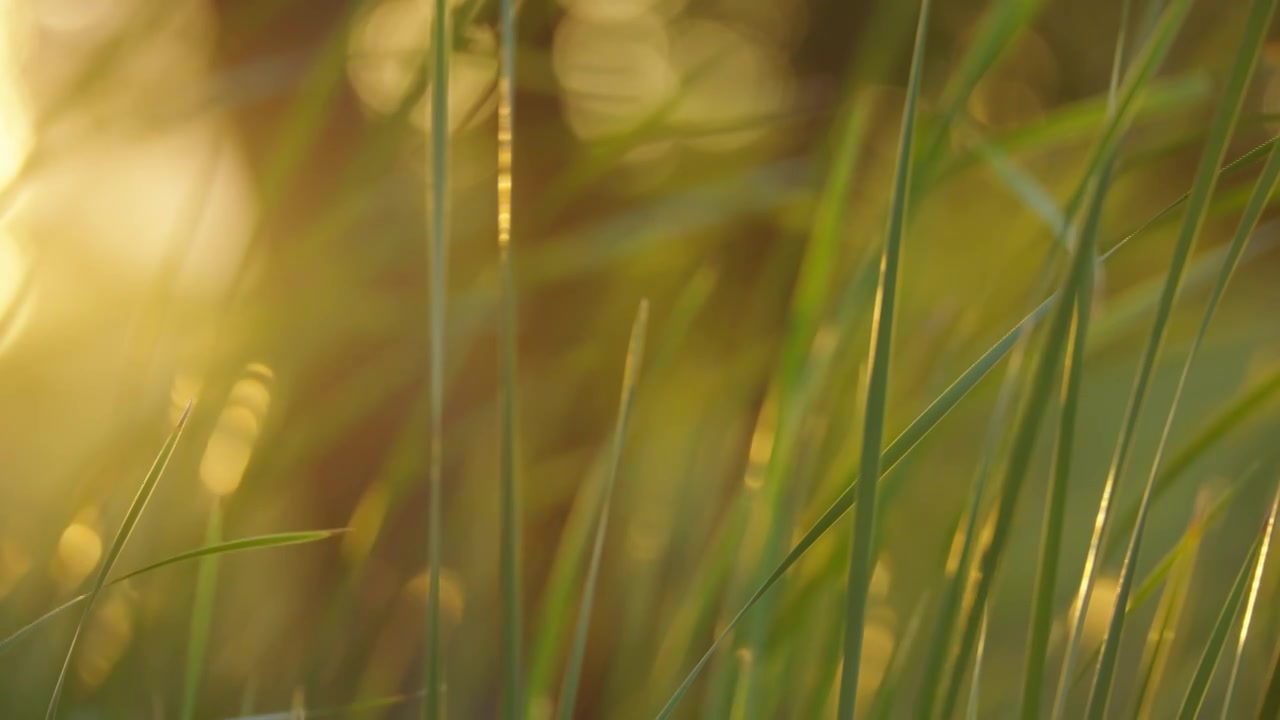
224 199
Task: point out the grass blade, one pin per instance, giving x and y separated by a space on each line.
918 429
122 536
1192 701
438 203
509 498
1064 447
258 542
862 558
1169 612
1252 399
1222 127
1255 587
630 375
975 681
201 615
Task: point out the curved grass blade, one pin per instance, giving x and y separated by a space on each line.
122 536
201 615
1252 399
257 542
1255 587
509 498
1064 446
1223 125
1199 683
862 558
920 428
630 375
1169 612
438 203
1184 551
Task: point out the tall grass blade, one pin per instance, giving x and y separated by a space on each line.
1064 447
257 542
122 536
862 558
918 429
630 376
201 615
1221 129
1183 552
975 680
509 493
1168 615
1253 398
438 243
1255 588
1199 683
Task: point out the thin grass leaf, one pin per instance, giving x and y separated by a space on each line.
1169 611
975 681
1199 683
630 376
862 555
1222 128
1184 551
509 498
918 429
1255 587
1252 399
257 542
117 546
201 616
799 375
555 613
1064 447
438 203
1055 507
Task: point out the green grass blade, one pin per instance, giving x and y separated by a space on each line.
1055 505
438 162
1203 185
256 542
1027 428
251 543
1063 451
630 376
1184 551
1255 588
1252 399
117 546
975 680
862 557
1169 612
201 616
509 499
919 428
799 374
1199 683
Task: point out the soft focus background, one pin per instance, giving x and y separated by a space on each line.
224 200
